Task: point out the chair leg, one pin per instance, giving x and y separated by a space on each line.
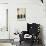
20 42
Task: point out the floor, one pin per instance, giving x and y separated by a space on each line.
23 44
6 44
18 44
26 44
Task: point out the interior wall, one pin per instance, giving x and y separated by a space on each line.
35 13
3 1
3 21
44 22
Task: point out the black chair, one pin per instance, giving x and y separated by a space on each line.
32 29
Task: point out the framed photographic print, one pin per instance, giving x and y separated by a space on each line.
21 13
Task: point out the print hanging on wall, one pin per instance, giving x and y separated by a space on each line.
21 13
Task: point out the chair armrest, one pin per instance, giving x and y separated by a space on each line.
24 32
22 35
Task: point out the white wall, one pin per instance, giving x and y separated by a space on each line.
4 35
3 21
3 1
35 12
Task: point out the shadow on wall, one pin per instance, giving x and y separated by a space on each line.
41 34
